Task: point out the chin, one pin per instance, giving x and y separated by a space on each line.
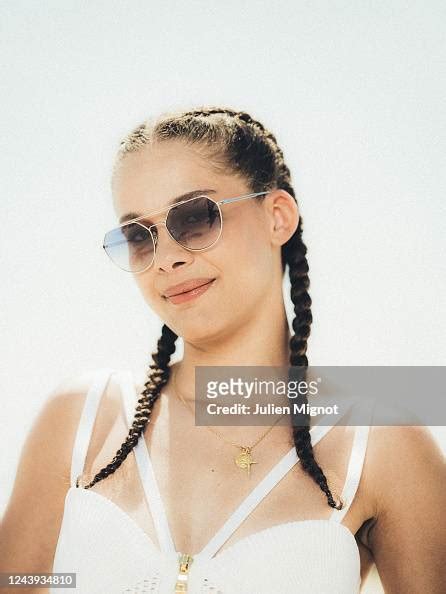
200 330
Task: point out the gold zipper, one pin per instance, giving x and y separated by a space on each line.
185 561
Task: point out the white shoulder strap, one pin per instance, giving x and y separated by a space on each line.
86 423
356 462
145 467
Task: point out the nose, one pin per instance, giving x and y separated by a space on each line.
169 254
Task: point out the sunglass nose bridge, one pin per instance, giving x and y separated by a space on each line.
156 225
156 237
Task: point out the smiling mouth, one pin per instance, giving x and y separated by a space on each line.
191 294
204 283
190 290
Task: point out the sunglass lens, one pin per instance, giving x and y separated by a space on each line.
196 224
130 247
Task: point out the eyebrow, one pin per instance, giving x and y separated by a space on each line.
134 215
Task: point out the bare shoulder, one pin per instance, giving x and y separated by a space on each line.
30 526
398 453
406 480
406 453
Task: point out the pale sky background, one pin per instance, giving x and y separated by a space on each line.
354 93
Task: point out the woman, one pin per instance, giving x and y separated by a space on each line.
155 502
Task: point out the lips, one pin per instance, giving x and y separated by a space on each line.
186 286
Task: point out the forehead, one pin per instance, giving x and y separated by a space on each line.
153 176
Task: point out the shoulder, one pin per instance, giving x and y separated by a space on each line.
399 453
394 451
68 396
50 439
405 453
67 399
406 479
395 456
59 416
35 507
405 476
66 403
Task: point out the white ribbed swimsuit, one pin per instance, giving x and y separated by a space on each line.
111 554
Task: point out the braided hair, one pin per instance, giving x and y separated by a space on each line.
234 141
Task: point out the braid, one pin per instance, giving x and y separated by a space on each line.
235 141
205 111
157 379
295 251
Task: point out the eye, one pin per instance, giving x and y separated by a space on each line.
139 236
135 233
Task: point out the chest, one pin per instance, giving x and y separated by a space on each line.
201 486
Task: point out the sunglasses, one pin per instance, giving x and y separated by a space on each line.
196 224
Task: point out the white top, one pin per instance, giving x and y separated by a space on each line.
111 553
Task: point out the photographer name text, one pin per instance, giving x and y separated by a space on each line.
271 409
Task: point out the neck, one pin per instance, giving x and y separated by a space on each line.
261 341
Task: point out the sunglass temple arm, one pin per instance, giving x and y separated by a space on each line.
228 200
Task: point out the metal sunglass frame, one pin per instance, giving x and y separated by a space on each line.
167 210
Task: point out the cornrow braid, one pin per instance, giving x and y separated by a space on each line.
295 255
158 378
237 142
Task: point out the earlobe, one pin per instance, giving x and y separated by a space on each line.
282 235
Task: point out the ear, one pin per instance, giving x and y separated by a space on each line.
283 216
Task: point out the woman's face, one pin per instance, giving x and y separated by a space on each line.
243 262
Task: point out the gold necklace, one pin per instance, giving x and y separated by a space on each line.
244 459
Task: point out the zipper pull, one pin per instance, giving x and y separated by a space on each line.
185 561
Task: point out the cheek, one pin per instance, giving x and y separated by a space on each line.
242 259
151 296
249 262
